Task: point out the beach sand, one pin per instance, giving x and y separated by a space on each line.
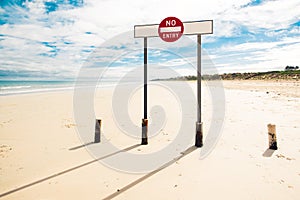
41 155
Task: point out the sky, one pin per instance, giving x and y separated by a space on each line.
53 39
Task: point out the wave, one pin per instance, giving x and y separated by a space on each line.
40 87
36 90
14 87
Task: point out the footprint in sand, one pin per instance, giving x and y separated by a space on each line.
258 165
290 158
4 149
282 156
5 122
69 125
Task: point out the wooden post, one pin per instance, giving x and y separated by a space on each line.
97 131
272 137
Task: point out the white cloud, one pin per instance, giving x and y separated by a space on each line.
259 56
269 15
255 46
74 32
295 30
36 7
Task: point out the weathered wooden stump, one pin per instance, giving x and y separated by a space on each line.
272 137
97 131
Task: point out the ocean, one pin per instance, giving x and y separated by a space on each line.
12 87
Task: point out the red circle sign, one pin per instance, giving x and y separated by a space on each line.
170 29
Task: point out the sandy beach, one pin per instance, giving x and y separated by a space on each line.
41 154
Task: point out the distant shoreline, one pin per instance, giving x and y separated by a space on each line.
27 87
271 75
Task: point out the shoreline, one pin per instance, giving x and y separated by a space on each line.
110 86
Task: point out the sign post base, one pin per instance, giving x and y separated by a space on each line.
199 134
144 131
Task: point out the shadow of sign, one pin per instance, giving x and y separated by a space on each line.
66 171
81 146
268 153
134 183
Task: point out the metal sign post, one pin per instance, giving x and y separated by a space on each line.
190 28
199 127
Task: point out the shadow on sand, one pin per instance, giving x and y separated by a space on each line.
66 171
186 152
268 153
84 145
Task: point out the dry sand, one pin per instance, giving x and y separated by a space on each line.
38 132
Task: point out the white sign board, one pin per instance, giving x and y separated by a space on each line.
190 28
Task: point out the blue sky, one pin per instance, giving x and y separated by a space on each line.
52 39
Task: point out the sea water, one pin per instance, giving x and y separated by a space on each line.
12 87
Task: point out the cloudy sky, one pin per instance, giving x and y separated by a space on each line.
54 38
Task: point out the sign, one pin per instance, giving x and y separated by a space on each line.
190 28
170 29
